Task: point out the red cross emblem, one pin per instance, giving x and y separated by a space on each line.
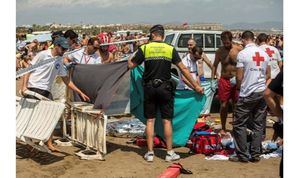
269 52
257 58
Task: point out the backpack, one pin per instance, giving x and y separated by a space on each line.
205 143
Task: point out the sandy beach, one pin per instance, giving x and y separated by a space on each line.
125 160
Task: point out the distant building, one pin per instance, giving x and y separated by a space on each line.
207 26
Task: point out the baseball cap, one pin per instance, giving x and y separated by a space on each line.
157 27
61 41
56 34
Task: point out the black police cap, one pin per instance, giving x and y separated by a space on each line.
157 27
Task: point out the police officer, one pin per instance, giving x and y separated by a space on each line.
158 88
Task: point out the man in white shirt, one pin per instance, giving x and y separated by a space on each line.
86 55
191 44
273 53
252 73
41 79
190 61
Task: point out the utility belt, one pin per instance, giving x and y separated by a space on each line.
168 84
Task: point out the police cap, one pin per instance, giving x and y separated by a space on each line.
156 28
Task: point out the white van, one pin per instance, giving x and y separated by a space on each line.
209 41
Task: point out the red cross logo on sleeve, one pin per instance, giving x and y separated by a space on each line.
269 52
257 58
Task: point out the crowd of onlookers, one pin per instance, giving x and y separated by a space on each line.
27 50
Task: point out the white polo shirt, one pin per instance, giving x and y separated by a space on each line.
82 57
254 61
192 67
43 77
274 56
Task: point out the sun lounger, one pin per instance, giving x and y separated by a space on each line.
36 120
88 128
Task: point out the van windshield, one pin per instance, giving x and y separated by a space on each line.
169 39
183 40
199 40
209 40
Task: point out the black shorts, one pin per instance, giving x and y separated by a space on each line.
161 98
44 93
276 84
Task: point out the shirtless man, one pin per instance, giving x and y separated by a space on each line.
226 85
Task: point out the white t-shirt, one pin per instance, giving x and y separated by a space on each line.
274 56
192 67
254 61
82 57
43 77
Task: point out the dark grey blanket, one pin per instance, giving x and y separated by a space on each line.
102 82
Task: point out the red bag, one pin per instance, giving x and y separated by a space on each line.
206 144
174 171
157 142
201 126
171 172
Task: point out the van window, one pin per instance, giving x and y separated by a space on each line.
183 40
199 40
209 40
169 39
218 41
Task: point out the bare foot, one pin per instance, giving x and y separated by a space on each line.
53 149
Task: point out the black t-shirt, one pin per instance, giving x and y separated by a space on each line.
276 84
156 69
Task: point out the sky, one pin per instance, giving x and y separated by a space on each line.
147 11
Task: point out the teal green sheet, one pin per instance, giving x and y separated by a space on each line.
187 107
209 91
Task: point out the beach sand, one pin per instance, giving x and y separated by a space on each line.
125 160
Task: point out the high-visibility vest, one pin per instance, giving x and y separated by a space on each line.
157 51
